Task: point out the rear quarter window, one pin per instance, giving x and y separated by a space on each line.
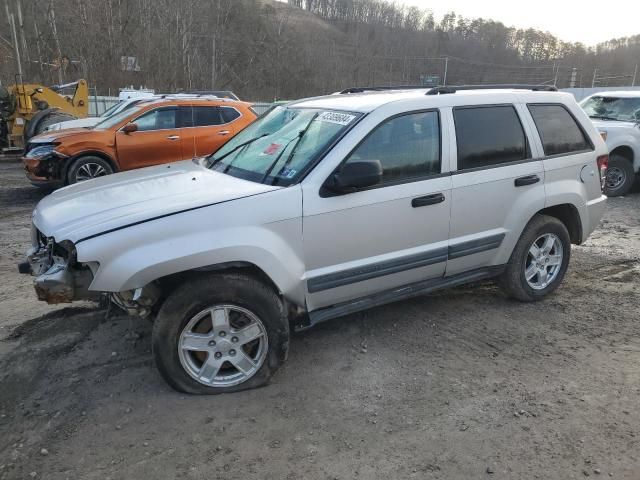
229 114
559 131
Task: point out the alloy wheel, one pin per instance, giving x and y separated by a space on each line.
223 346
544 261
90 170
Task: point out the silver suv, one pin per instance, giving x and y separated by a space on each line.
325 207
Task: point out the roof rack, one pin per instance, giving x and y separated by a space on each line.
382 88
186 95
453 89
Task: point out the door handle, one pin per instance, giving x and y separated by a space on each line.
224 132
173 137
427 200
528 180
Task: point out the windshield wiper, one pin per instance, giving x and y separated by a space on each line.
603 117
293 150
275 161
213 160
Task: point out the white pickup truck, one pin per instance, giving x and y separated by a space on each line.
617 116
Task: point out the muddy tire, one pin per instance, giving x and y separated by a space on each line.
539 260
87 168
620 176
220 333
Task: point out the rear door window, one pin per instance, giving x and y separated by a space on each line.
558 130
206 116
489 135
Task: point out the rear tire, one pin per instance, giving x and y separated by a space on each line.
196 311
620 176
532 274
87 168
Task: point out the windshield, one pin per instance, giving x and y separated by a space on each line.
112 109
612 108
280 145
114 120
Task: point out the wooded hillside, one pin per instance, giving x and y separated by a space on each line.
266 50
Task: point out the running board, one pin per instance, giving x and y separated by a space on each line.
396 294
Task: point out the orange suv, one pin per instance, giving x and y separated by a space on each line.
154 131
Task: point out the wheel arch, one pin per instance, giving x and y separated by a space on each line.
625 151
168 283
243 267
569 215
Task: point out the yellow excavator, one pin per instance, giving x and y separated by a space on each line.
27 109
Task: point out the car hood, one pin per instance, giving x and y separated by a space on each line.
59 135
79 123
96 206
609 124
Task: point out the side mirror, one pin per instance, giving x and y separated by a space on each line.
355 175
130 128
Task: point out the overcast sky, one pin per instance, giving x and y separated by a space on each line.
583 21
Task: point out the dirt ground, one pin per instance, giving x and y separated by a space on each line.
460 384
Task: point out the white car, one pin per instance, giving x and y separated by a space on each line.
93 121
325 207
617 116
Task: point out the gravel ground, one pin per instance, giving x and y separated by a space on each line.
460 384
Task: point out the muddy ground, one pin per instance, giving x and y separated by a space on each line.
459 384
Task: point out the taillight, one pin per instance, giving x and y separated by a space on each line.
603 164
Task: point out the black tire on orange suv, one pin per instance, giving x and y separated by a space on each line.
88 167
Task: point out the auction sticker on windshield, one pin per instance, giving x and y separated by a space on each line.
335 117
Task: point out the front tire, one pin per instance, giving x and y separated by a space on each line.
220 333
619 177
88 168
539 260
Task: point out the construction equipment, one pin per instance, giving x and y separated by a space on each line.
27 109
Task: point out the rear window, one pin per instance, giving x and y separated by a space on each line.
229 114
488 136
558 130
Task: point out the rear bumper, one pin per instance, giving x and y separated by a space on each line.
594 210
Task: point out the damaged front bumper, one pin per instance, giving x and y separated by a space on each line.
58 277
45 170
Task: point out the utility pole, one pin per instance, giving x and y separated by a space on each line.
593 82
635 73
213 61
446 67
12 22
25 47
574 74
